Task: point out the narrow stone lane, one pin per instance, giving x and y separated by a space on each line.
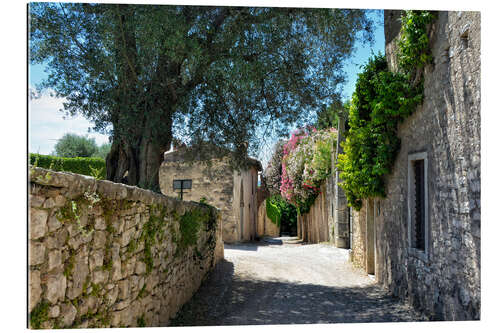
272 283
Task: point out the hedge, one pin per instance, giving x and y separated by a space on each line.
90 166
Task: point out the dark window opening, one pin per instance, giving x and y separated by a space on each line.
419 205
182 184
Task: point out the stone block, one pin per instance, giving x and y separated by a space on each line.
79 275
128 267
57 201
127 235
100 276
124 289
99 239
111 296
35 290
36 200
55 259
54 311
56 288
58 239
100 223
54 222
68 314
140 268
38 223
36 253
96 259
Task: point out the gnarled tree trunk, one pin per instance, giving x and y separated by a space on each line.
139 164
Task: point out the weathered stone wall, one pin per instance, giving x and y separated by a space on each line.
216 182
447 128
265 227
103 254
358 253
313 227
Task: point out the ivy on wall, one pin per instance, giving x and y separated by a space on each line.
382 99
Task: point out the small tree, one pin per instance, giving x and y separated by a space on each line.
73 145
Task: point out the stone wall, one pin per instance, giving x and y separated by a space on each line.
313 226
103 254
212 181
447 128
219 186
265 227
357 253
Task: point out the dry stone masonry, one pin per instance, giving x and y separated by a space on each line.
443 277
103 254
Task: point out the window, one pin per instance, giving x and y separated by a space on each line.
180 185
418 215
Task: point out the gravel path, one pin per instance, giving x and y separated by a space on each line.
273 283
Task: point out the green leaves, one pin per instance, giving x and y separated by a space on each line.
413 46
381 100
227 75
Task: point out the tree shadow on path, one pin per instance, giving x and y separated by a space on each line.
228 299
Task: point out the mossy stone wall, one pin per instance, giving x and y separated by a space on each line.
103 254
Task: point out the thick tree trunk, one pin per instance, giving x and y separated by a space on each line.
139 165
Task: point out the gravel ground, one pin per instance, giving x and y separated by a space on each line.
275 282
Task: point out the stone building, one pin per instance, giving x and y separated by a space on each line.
234 192
434 263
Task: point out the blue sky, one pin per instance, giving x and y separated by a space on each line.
47 124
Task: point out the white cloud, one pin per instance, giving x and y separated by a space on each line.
46 124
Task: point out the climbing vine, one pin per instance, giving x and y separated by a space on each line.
382 99
413 46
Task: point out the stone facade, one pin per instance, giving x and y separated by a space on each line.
103 254
442 279
234 192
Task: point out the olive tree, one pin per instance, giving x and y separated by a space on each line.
211 74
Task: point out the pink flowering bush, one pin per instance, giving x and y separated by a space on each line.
307 161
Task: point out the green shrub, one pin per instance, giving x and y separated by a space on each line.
90 166
39 315
381 100
273 212
281 211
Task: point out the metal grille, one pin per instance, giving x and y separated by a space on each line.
419 212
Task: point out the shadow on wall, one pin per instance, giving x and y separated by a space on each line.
228 299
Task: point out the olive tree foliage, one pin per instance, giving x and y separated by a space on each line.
212 74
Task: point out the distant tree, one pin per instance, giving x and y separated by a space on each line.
73 145
210 73
103 150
